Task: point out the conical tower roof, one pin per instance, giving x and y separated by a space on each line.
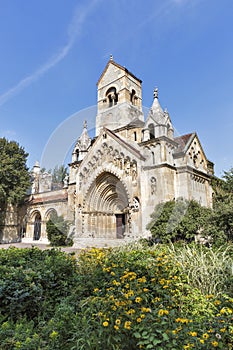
156 112
84 140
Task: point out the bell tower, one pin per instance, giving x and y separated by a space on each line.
119 97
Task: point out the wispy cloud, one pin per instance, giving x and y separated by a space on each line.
74 30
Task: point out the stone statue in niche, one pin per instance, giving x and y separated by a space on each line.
65 181
127 168
134 172
153 185
35 184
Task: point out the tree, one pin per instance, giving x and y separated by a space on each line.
57 231
58 174
178 220
14 175
221 223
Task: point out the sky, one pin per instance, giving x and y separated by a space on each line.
52 54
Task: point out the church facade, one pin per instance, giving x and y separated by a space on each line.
117 178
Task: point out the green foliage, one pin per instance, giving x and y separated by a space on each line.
14 175
221 222
178 220
58 174
57 231
208 270
118 299
33 281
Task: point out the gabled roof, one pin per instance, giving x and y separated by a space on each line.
118 66
128 145
183 141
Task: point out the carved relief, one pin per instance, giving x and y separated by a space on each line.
111 156
134 171
136 205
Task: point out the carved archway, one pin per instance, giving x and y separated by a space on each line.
106 207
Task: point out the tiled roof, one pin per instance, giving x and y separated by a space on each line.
48 198
183 141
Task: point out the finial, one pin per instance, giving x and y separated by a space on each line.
111 57
85 124
156 92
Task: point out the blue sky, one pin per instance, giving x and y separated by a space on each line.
53 52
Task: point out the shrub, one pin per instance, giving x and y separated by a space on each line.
178 220
57 231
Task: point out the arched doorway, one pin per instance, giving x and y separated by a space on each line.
37 227
106 207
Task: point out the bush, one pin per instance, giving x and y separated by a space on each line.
178 220
57 231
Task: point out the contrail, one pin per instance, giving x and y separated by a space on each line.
74 30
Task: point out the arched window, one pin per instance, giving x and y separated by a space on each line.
135 135
153 157
133 97
37 227
151 128
112 97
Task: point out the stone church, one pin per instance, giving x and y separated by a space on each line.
116 179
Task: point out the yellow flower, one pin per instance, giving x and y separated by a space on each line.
96 290
138 300
160 312
193 334
145 290
217 302
222 330
127 286
112 273
116 283
127 325
209 296
202 341
142 316
118 321
142 280
188 346
162 281
205 336
214 343
156 300
116 327
139 319
130 312
105 323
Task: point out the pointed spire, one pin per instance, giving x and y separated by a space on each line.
84 140
111 57
156 110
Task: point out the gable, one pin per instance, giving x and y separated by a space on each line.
113 71
112 154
